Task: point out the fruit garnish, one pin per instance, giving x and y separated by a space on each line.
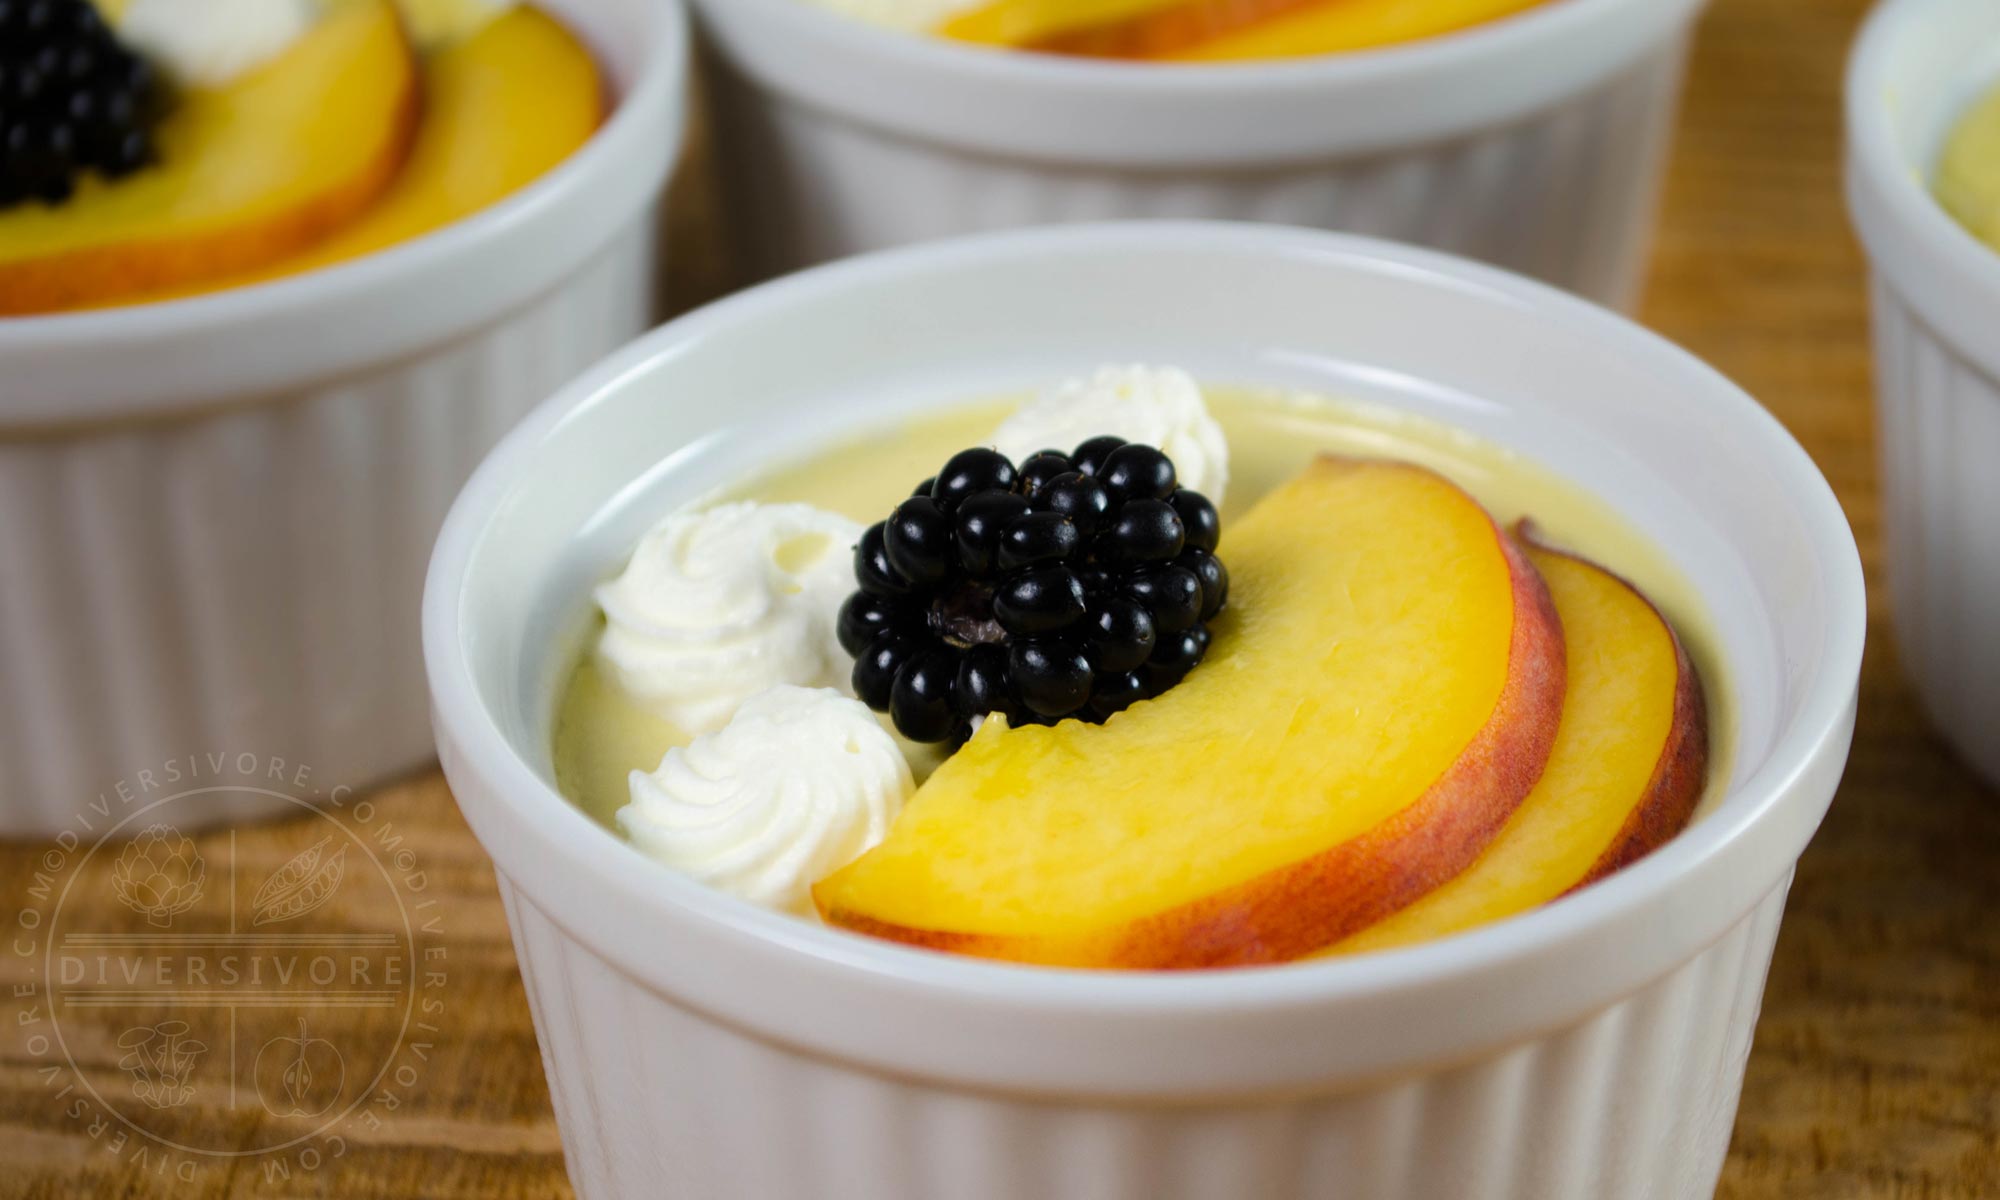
248 173
1074 585
503 105
1031 22
1340 26
1380 699
73 99
1215 29
1628 767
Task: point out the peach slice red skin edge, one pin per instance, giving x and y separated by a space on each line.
1166 31
1681 775
1679 779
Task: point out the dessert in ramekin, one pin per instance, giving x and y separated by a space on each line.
1397 684
1918 72
217 507
683 1026
1536 141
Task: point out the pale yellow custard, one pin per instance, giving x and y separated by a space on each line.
1968 175
601 737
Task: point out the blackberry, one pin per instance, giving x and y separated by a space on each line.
1044 600
1042 466
1072 585
1081 498
72 100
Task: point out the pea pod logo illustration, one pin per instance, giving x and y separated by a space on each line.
299 1076
158 875
304 883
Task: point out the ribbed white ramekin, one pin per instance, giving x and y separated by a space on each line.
215 513
699 1046
1633 1102
1537 143
1937 356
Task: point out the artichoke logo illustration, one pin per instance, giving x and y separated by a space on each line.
159 874
161 1060
299 1076
305 882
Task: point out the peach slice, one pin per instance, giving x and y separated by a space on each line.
1381 694
1030 24
1216 29
501 108
248 173
1340 26
1630 763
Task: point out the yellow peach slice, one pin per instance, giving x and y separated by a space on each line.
1217 29
1381 694
1346 25
248 173
1029 23
501 108
1629 764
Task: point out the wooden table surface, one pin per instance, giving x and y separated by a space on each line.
1876 1070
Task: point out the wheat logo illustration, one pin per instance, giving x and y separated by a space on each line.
158 875
161 1060
304 883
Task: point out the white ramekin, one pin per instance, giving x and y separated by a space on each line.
215 513
1937 356
1537 143
700 1046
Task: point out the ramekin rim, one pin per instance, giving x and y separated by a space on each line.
1880 174
506 778
382 270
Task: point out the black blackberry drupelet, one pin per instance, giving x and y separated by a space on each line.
72 99
1073 585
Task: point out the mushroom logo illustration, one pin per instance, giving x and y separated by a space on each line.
161 1060
158 874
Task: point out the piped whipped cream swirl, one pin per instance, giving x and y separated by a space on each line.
207 43
720 604
800 783
1159 406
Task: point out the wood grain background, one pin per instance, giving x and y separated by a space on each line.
1876 1071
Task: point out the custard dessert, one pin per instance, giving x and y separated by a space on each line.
1968 174
169 147
1138 674
1183 30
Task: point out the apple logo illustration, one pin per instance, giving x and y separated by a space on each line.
299 1076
